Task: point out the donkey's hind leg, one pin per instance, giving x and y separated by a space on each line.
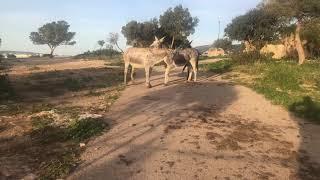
194 68
132 74
126 67
189 73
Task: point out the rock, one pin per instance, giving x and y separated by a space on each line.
52 114
89 116
82 144
30 177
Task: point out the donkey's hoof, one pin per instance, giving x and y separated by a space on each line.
149 86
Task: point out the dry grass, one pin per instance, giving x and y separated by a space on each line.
40 123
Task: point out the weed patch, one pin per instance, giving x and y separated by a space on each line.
63 141
307 108
60 167
83 129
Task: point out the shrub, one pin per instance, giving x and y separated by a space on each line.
48 55
307 108
6 89
220 66
11 56
250 57
99 54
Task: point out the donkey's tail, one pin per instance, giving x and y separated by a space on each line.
184 67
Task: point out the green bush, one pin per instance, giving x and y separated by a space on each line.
307 108
219 67
104 54
250 57
11 56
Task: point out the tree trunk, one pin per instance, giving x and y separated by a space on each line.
299 46
119 47
52 48
172 43
51 53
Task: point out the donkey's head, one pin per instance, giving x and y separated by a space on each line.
157 42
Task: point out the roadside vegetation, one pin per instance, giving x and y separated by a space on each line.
101 54
283 82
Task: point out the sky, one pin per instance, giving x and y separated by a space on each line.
93 20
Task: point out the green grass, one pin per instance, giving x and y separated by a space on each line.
284 83
218 67
63 142
81 130
59 167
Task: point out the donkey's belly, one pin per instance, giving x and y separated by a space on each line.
135 65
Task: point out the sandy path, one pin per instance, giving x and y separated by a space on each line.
207 130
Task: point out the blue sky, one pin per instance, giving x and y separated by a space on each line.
94 19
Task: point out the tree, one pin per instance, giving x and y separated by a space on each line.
141 34
53 34
255 27
178 24
101 43
1 56
311 33
109 47
113 40
225 44
296 12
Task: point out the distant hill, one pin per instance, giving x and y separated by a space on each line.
18 52
203 49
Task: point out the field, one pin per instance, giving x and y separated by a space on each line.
50 106
73 119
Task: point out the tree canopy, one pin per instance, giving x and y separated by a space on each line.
113 40
256 26
101 43
294 12
273 19
225 44
141 34
175 22
178 23
53 34
311 33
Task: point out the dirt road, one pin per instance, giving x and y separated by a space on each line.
207 130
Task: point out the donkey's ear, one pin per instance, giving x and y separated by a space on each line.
162 39
155 38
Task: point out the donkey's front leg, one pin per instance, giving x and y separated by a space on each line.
148 70
166 76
